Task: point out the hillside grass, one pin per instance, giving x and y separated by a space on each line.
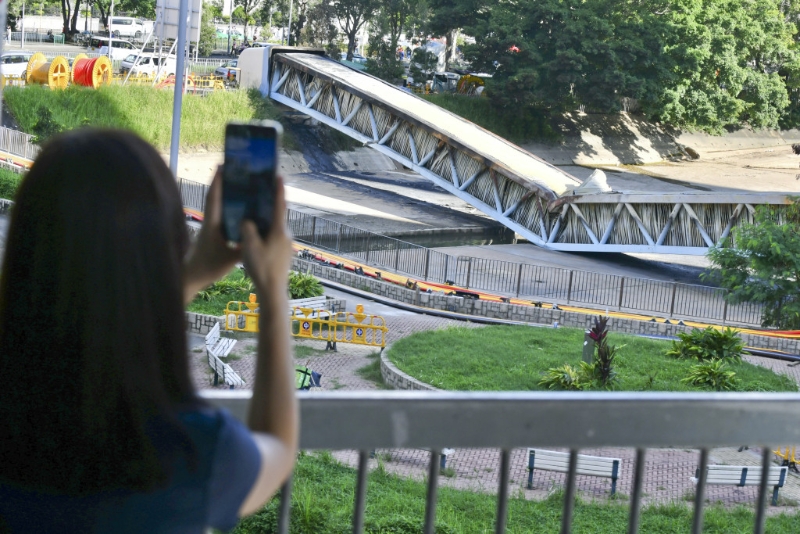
323 496
513 358
144 110
528 125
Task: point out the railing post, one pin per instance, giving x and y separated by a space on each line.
339 238
724 310
446 265
469 271
621 290
313 230
519 279
569 286
396 255
366 256
427 263
672 304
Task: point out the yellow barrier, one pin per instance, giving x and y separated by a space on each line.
787 457
312 324
239 320
358 328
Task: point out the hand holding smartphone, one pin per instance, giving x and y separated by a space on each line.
248 177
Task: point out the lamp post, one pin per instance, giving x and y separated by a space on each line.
22 40
289 24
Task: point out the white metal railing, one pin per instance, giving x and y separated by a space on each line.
365 421
18 143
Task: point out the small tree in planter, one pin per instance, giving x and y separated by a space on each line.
602 367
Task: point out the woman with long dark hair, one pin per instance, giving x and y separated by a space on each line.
100 427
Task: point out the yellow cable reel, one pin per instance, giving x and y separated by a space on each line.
54 74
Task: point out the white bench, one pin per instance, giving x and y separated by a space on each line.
217 345
597 466
744 475
318 303
223 370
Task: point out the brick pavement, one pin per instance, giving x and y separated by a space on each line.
667 471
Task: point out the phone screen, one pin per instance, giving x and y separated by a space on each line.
248 178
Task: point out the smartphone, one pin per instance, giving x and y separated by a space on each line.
248 176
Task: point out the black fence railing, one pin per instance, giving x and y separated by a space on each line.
520 280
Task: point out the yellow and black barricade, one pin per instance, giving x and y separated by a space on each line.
358 328
311 323
242 320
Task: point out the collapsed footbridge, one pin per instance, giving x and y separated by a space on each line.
531 197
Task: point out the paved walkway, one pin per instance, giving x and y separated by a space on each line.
667 471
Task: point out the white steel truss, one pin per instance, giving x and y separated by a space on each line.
536 203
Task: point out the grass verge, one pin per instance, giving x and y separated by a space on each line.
372 371
144 110
322 503
513 358
9 183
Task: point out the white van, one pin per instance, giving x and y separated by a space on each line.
148 64
119 49
127 27
14 63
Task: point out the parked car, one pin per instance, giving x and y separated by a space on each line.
357 58
224 69
14 63
148 63
120 49
127 27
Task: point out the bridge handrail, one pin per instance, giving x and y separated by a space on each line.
366 420
519 280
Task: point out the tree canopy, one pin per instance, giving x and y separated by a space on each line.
764 266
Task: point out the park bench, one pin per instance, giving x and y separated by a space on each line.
314 303
597 466
217 345
744 475
224 372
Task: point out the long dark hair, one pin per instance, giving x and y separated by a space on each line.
92 331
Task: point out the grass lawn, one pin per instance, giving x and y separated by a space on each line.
322 503
513 358
145 110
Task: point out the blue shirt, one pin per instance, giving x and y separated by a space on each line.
228 463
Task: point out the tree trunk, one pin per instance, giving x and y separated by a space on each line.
103 16
351 44
75 13
65 12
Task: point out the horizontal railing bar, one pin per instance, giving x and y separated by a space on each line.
395 419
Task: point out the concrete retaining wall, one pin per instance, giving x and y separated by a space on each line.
397 379
515 312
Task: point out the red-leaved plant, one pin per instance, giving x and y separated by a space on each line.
603 364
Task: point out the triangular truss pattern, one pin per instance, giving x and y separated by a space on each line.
662 223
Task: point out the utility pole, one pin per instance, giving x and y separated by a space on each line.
230 27
180 80
289 38
22 40
110 35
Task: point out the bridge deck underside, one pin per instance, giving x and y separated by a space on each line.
508 184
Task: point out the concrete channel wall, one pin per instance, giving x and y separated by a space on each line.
516 312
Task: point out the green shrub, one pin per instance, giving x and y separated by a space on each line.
9 183
565 377
226 286
708 344
304 286
713 375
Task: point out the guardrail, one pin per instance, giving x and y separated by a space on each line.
18 143
519 280
365 421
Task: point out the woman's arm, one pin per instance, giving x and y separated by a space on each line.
274 417
209 258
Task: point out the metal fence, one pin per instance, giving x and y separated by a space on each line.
519 280
17 143
365 421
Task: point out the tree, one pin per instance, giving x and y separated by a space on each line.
319 29
447 16
208 33
761 264
352 15
390 20
248 7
